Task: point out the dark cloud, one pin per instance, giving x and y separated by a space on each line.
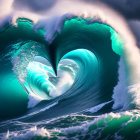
128 8
135 27
34 5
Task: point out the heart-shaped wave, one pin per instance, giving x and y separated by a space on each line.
42 81
93 47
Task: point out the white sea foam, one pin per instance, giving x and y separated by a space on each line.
33 100
98 107
120 95
125 96
34 131
48 107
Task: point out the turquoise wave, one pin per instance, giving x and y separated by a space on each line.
94 47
